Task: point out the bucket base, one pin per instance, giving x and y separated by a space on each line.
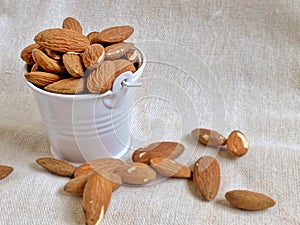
57 155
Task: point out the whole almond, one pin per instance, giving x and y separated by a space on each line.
77 184
115 51
5 171
102 164
115 34
249 200
209 137
101 79
73 64
57 167
53 54
46 63
237 143
72 24
35 68
132 55
170 168
96 198
123 65
170 150
94 37
93 56
62 40
67 86
41 79
206 177
26 53
136 173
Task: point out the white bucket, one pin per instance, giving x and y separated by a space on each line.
89 126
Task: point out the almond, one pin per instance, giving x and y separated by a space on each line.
237 143
52 54
115 34
46 63
206 177
5 171
93 56
101 79
41 79
77 184
209 137
57 167
96 198
106 164
170 150
170 168
249 200
115 51
94 37
26 53
62 40
132 55
123 65
73 64
35 68
72 24
136 173
67 86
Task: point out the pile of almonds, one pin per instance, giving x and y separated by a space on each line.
96 180
63 60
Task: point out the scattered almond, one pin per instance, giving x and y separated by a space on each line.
46 63
72 24
249 200
103 164
93 56
170 168
115 34
26 53
237 143
67 86
73 64
118 50
57 167
209 137
136 173
170 150
96 198
206 177
5 171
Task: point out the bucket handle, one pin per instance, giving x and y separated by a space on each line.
120 83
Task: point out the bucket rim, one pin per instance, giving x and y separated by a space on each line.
136 75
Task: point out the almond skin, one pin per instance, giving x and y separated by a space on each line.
26 53
115 34
5 171
104 164
52 54
77 184
93 56
72 24
123 65
67 86
249 200
209 137
94 37
170 168
62 40
136 173
73 64
237 143
170 150
118 50
96 198
41 79
132 55
46 63
57 167
206 177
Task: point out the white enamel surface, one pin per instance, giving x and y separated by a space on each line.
83 127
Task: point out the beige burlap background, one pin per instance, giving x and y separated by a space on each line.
224 64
